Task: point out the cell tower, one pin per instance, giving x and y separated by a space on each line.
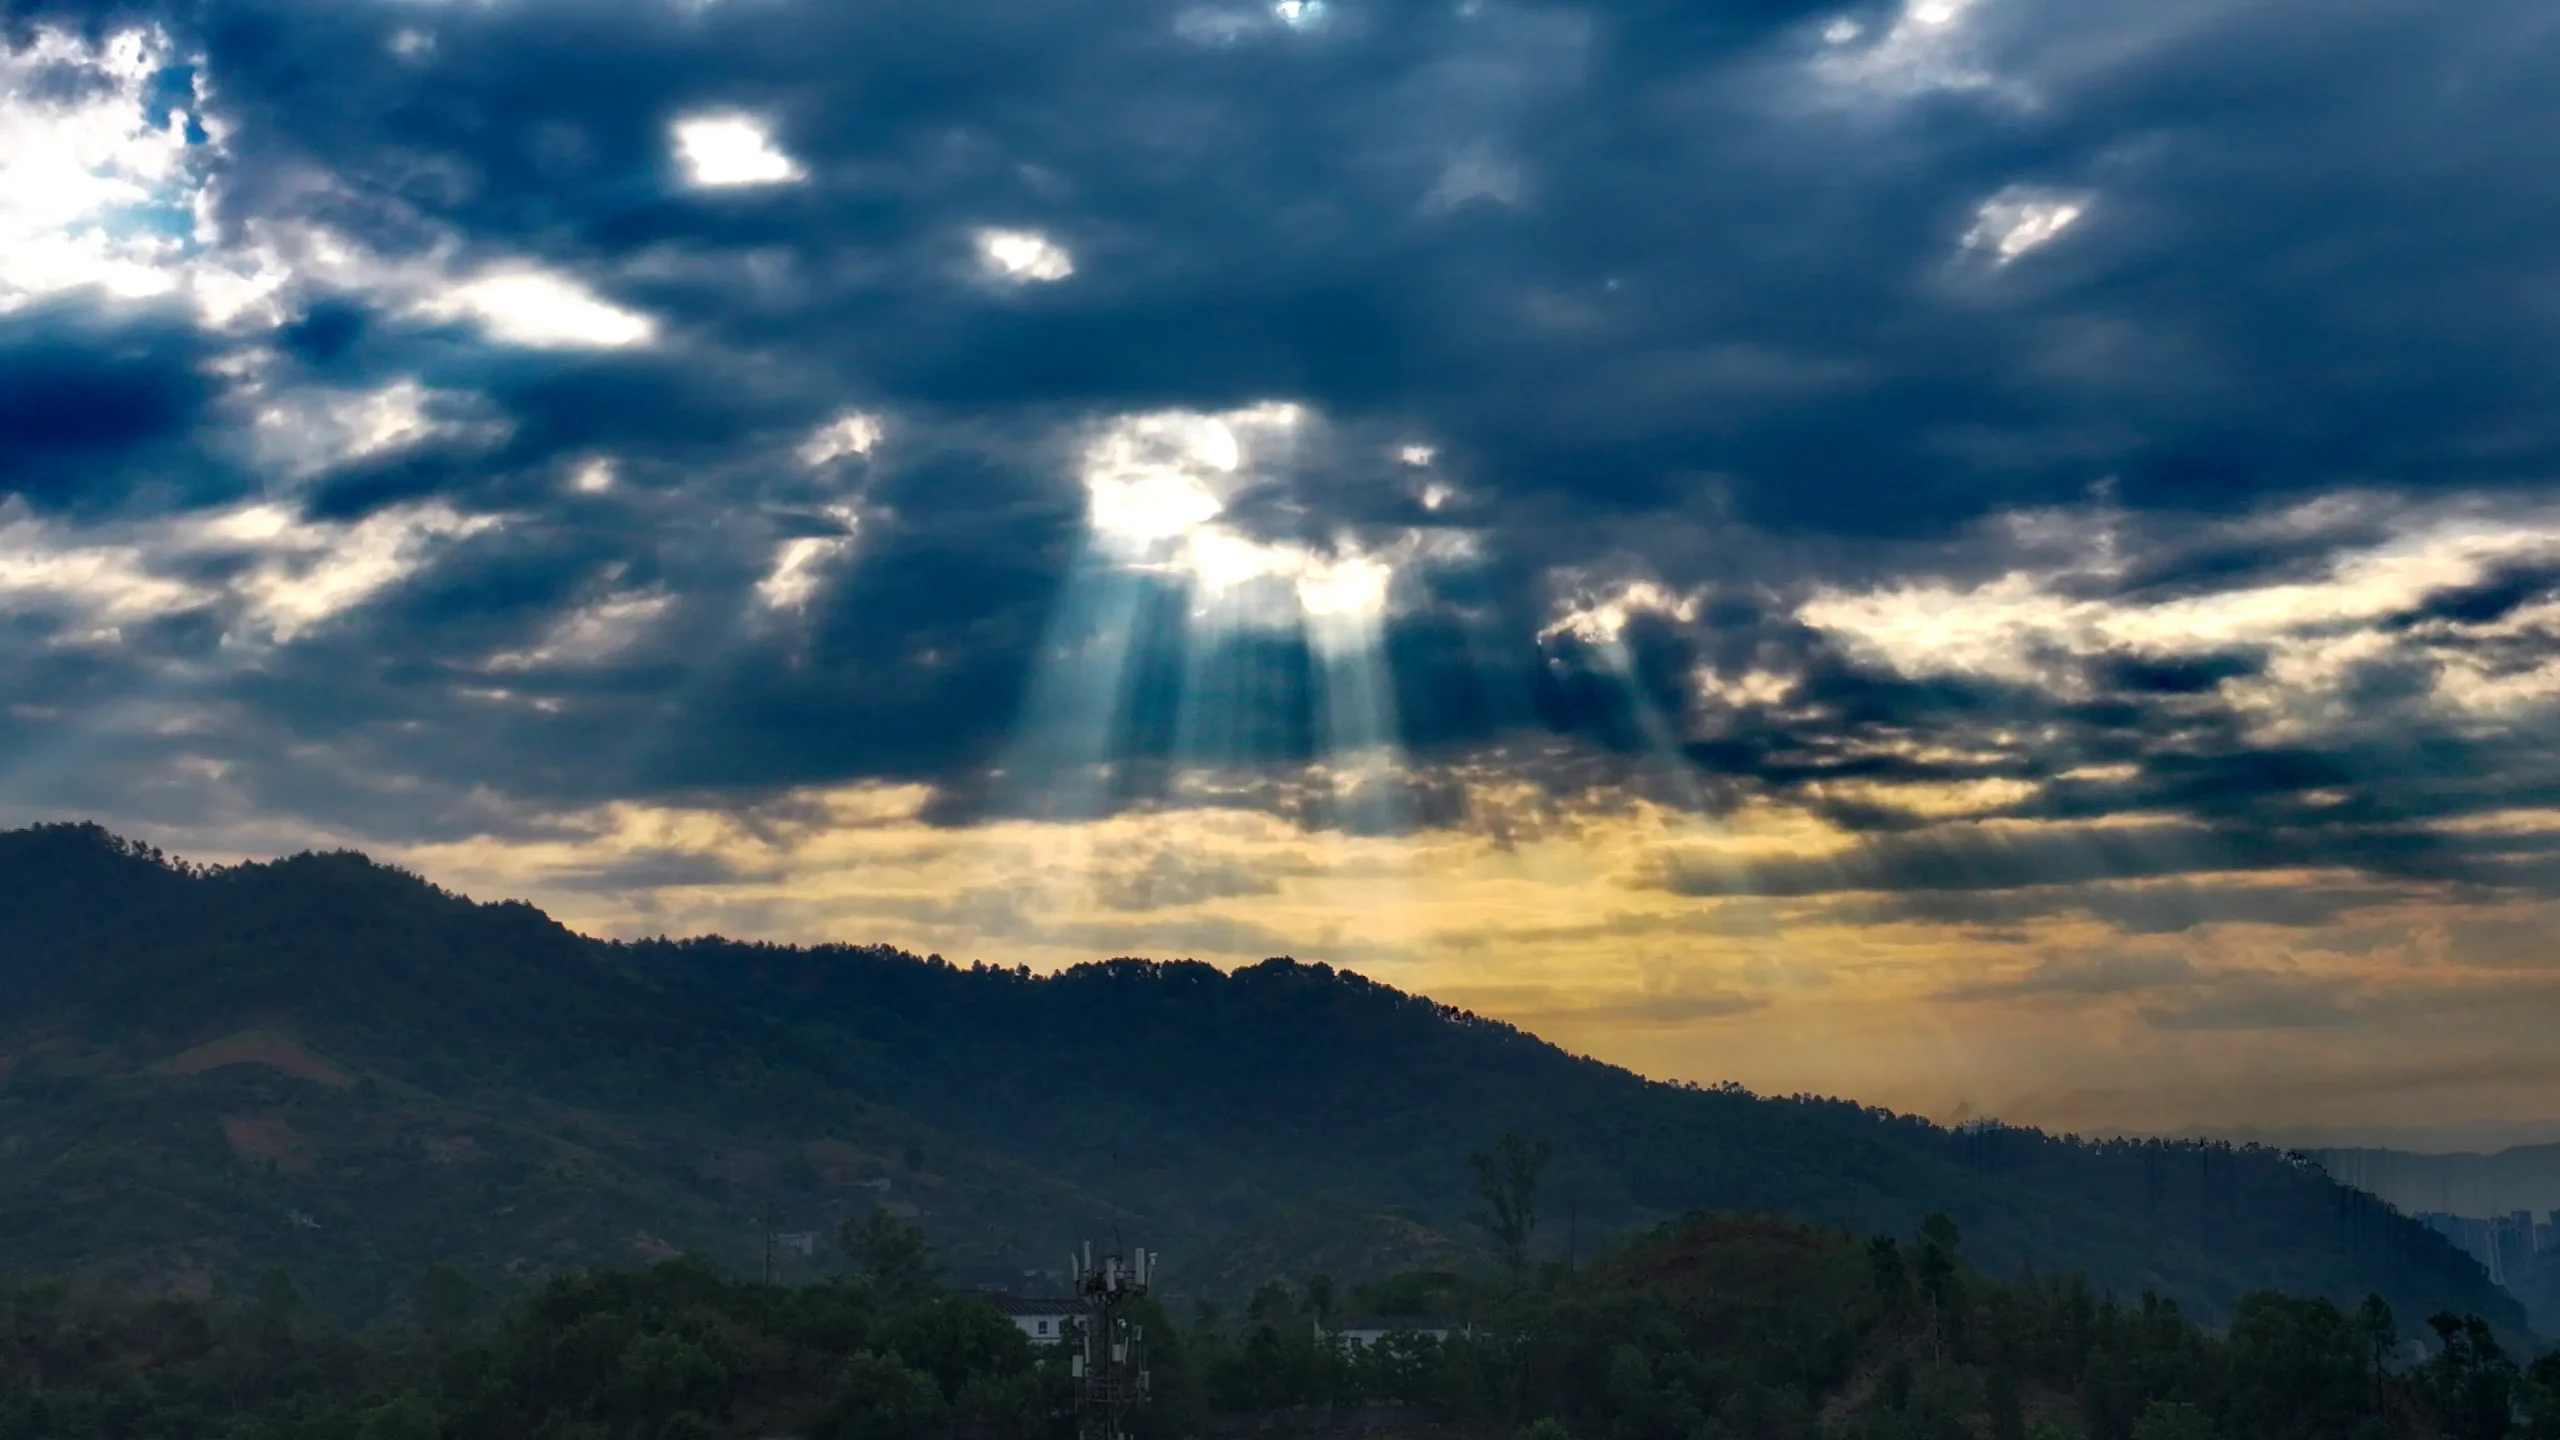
1110 1368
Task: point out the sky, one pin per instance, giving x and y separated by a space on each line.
1996 557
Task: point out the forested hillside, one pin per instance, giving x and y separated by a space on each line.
334 1066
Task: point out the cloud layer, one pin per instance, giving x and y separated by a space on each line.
1769 538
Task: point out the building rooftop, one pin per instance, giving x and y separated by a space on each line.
1030 1305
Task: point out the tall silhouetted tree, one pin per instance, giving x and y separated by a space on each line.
890 1257
1939 1278
445 1301
1507 1183
1320 1298
1892 1278
2469 1383
2381 1337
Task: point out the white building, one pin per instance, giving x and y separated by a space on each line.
1044 1321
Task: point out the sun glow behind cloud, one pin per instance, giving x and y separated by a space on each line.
94 189
1024 256
1177 587
732 150
542 310
2021 219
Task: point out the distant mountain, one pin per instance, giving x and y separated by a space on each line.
2526 1177
333 1065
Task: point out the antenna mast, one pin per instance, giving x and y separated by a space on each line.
1109 1365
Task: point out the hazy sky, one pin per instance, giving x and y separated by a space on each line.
1993 556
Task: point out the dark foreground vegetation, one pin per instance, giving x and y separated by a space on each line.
1707 1328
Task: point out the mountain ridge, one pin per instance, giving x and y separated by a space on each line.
691 1091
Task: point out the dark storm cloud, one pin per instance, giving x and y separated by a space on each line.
2138 909
1237 246
1969 859
2488 601
94 405
1679 293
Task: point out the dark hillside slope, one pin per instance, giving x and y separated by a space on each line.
434 988
1222 1095
333 1064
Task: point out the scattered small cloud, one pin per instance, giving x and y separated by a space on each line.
1024 256
2023 219
851 434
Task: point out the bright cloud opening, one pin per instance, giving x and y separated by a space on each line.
93 183
1925 49
1026 256
1157 486
1353 586
317 570
852 433
1152 478
591 634
540 310
2314 633
301 433
721 151
271 574
1600 614
2019 220
799 570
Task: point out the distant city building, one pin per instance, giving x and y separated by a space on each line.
2512 1241
1044 1321
2505 1245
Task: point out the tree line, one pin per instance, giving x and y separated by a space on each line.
1711 1327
